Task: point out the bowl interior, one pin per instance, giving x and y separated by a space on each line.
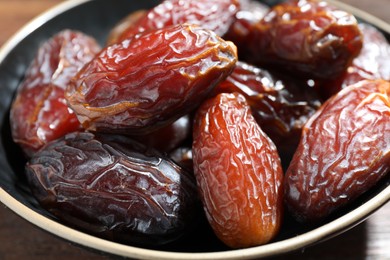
96 18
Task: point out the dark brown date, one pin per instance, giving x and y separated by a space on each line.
214 15
113 187
281 106
343 152
151 80
238 172
373 62
308 37
39 112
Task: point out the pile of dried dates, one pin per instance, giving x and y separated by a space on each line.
228 109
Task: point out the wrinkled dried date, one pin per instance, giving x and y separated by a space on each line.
39 112
113 187
281 106
343 152
305 36
151 80
238 172
215 15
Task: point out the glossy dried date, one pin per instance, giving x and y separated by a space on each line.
306 36
39 112
343 152
113 187
151 80
214 15
281 106
238 172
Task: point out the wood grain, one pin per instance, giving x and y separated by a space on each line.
21 240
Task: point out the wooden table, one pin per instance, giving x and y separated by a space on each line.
21 240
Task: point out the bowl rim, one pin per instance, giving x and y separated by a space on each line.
326 231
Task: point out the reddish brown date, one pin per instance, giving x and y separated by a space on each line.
343 152
281 106
373 62
39 112
238 172
149 81
305 36
215 15
113 187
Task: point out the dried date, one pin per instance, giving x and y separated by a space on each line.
343 152
113 187
39 112
214 15
151 80
308 37
238 172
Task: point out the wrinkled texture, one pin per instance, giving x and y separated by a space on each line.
373 62
238 172
215 15
281 106
39 112
308 37
343 152
151 80
114 188
123 25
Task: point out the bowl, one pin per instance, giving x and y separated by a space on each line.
96 18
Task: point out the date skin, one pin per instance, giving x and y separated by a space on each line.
39 112
238 172
151 80
280 105
373 62
113 187
214 15
343 152
307 37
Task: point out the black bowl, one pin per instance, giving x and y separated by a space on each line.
96 18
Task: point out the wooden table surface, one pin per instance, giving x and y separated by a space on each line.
21 240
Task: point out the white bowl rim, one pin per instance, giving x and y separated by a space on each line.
328 230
